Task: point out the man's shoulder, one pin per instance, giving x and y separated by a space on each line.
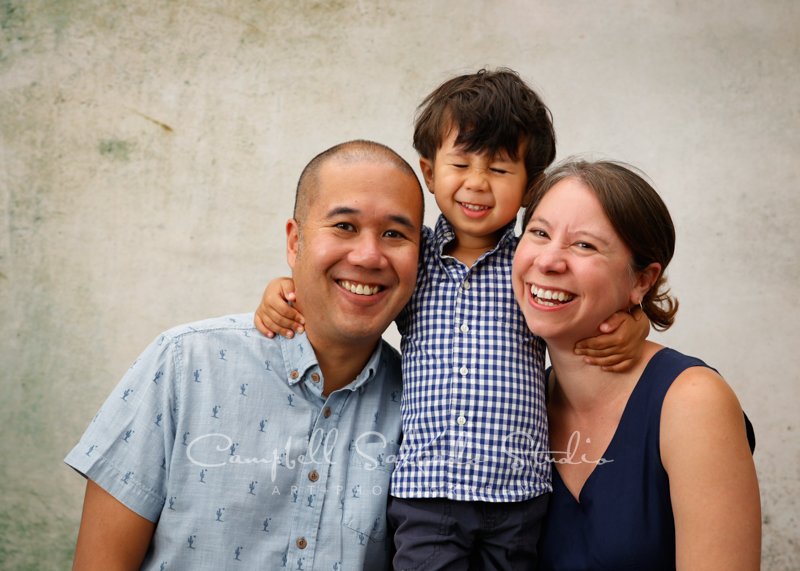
240 323
389 365
390 356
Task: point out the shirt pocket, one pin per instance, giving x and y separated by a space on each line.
368 476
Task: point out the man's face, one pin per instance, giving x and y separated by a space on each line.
354 257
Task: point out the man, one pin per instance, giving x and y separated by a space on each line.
224 449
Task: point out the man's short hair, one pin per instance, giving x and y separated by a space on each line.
355 151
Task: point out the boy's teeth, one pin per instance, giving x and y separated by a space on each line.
547 294
359 289
475 207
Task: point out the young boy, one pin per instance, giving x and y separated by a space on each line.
471 482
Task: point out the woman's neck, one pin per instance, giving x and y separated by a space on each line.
581 386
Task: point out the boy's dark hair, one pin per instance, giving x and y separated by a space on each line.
494 111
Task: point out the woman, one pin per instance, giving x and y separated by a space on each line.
652 466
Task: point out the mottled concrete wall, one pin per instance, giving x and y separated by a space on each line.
148 152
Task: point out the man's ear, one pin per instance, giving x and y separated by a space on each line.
645 280
292 241
426 166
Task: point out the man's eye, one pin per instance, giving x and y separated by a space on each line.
394 234
346 226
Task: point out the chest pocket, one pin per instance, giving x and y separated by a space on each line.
368 476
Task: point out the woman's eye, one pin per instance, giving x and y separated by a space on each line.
499 171
585 246
538 233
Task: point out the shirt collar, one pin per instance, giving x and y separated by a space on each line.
300 360
443 234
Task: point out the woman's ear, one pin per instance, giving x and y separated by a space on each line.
426 166
645 280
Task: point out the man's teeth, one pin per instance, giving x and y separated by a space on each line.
549 297
359 289
474 207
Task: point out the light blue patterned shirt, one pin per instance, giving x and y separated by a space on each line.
223 438
474 416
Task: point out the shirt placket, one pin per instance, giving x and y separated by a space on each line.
458 420
312 481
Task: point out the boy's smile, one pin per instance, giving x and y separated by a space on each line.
479 194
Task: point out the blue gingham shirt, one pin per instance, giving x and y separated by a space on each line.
223 438
474 417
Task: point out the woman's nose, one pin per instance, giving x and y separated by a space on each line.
551 260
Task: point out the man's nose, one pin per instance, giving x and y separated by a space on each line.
368 252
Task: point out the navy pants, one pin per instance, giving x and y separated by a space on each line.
446 535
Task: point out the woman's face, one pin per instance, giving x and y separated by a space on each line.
571 270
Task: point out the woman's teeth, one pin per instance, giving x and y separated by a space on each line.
359 289
550 297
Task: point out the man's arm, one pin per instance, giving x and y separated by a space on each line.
111 536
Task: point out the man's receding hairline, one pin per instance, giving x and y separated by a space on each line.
351 152
356 152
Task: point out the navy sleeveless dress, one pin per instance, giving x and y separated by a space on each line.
624 517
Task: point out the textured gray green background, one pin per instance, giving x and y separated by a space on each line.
148 152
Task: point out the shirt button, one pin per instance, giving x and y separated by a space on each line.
301 542
463 371
313 475
466 285
461 421
294 374
326 412
315 377
464 328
